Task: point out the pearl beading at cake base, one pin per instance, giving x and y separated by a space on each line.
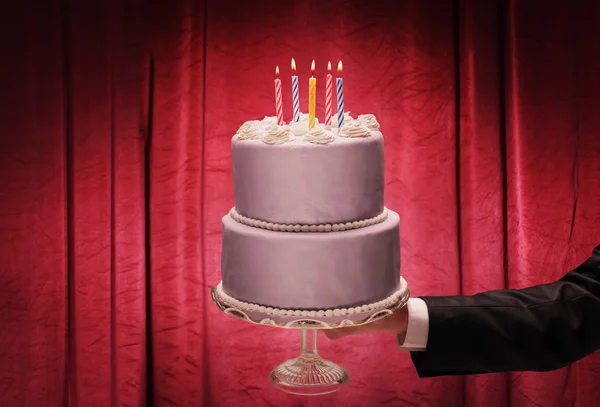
324 313
328 227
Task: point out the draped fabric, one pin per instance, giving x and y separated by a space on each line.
116 122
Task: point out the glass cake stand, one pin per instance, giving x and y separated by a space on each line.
309 373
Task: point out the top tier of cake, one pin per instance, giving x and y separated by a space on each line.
287 175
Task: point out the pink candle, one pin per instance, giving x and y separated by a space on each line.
278 100
328 95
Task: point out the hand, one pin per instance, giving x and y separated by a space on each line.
395 323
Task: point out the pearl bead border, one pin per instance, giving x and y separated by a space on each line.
327 313
328 227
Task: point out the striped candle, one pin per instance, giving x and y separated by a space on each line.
278 100
312 97
340 96
328 94
295 93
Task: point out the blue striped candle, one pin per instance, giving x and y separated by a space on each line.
295 93
339 82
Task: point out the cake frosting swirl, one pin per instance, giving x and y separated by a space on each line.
304 117
334 119
354 128
299 128
319 135
251 130
269 123
369 121
277 135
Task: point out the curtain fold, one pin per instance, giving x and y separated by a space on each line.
115 135
178 297
105 204
129 261
33 235
481 169
90 203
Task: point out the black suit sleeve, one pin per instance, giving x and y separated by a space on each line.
539 328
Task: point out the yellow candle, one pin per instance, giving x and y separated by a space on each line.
312 97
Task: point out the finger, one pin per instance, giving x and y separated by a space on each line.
340 332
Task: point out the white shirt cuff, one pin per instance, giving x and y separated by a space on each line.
417 330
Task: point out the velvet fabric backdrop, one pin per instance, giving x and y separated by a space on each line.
115 171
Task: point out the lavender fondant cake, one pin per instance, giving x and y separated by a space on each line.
309 230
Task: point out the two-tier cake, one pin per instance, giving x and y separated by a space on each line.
309 235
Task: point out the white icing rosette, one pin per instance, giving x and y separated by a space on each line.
278 135
319 135
369 121
304 118
334 119
353 129
299 128
269 123
251 130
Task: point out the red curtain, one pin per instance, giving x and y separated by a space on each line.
116 123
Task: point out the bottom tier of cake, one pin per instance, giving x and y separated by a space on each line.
311 271
321 319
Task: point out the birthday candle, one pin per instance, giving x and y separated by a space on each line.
312 93
295 93
278 101
340 96
328 92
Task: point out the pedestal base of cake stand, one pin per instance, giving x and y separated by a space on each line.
309 373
